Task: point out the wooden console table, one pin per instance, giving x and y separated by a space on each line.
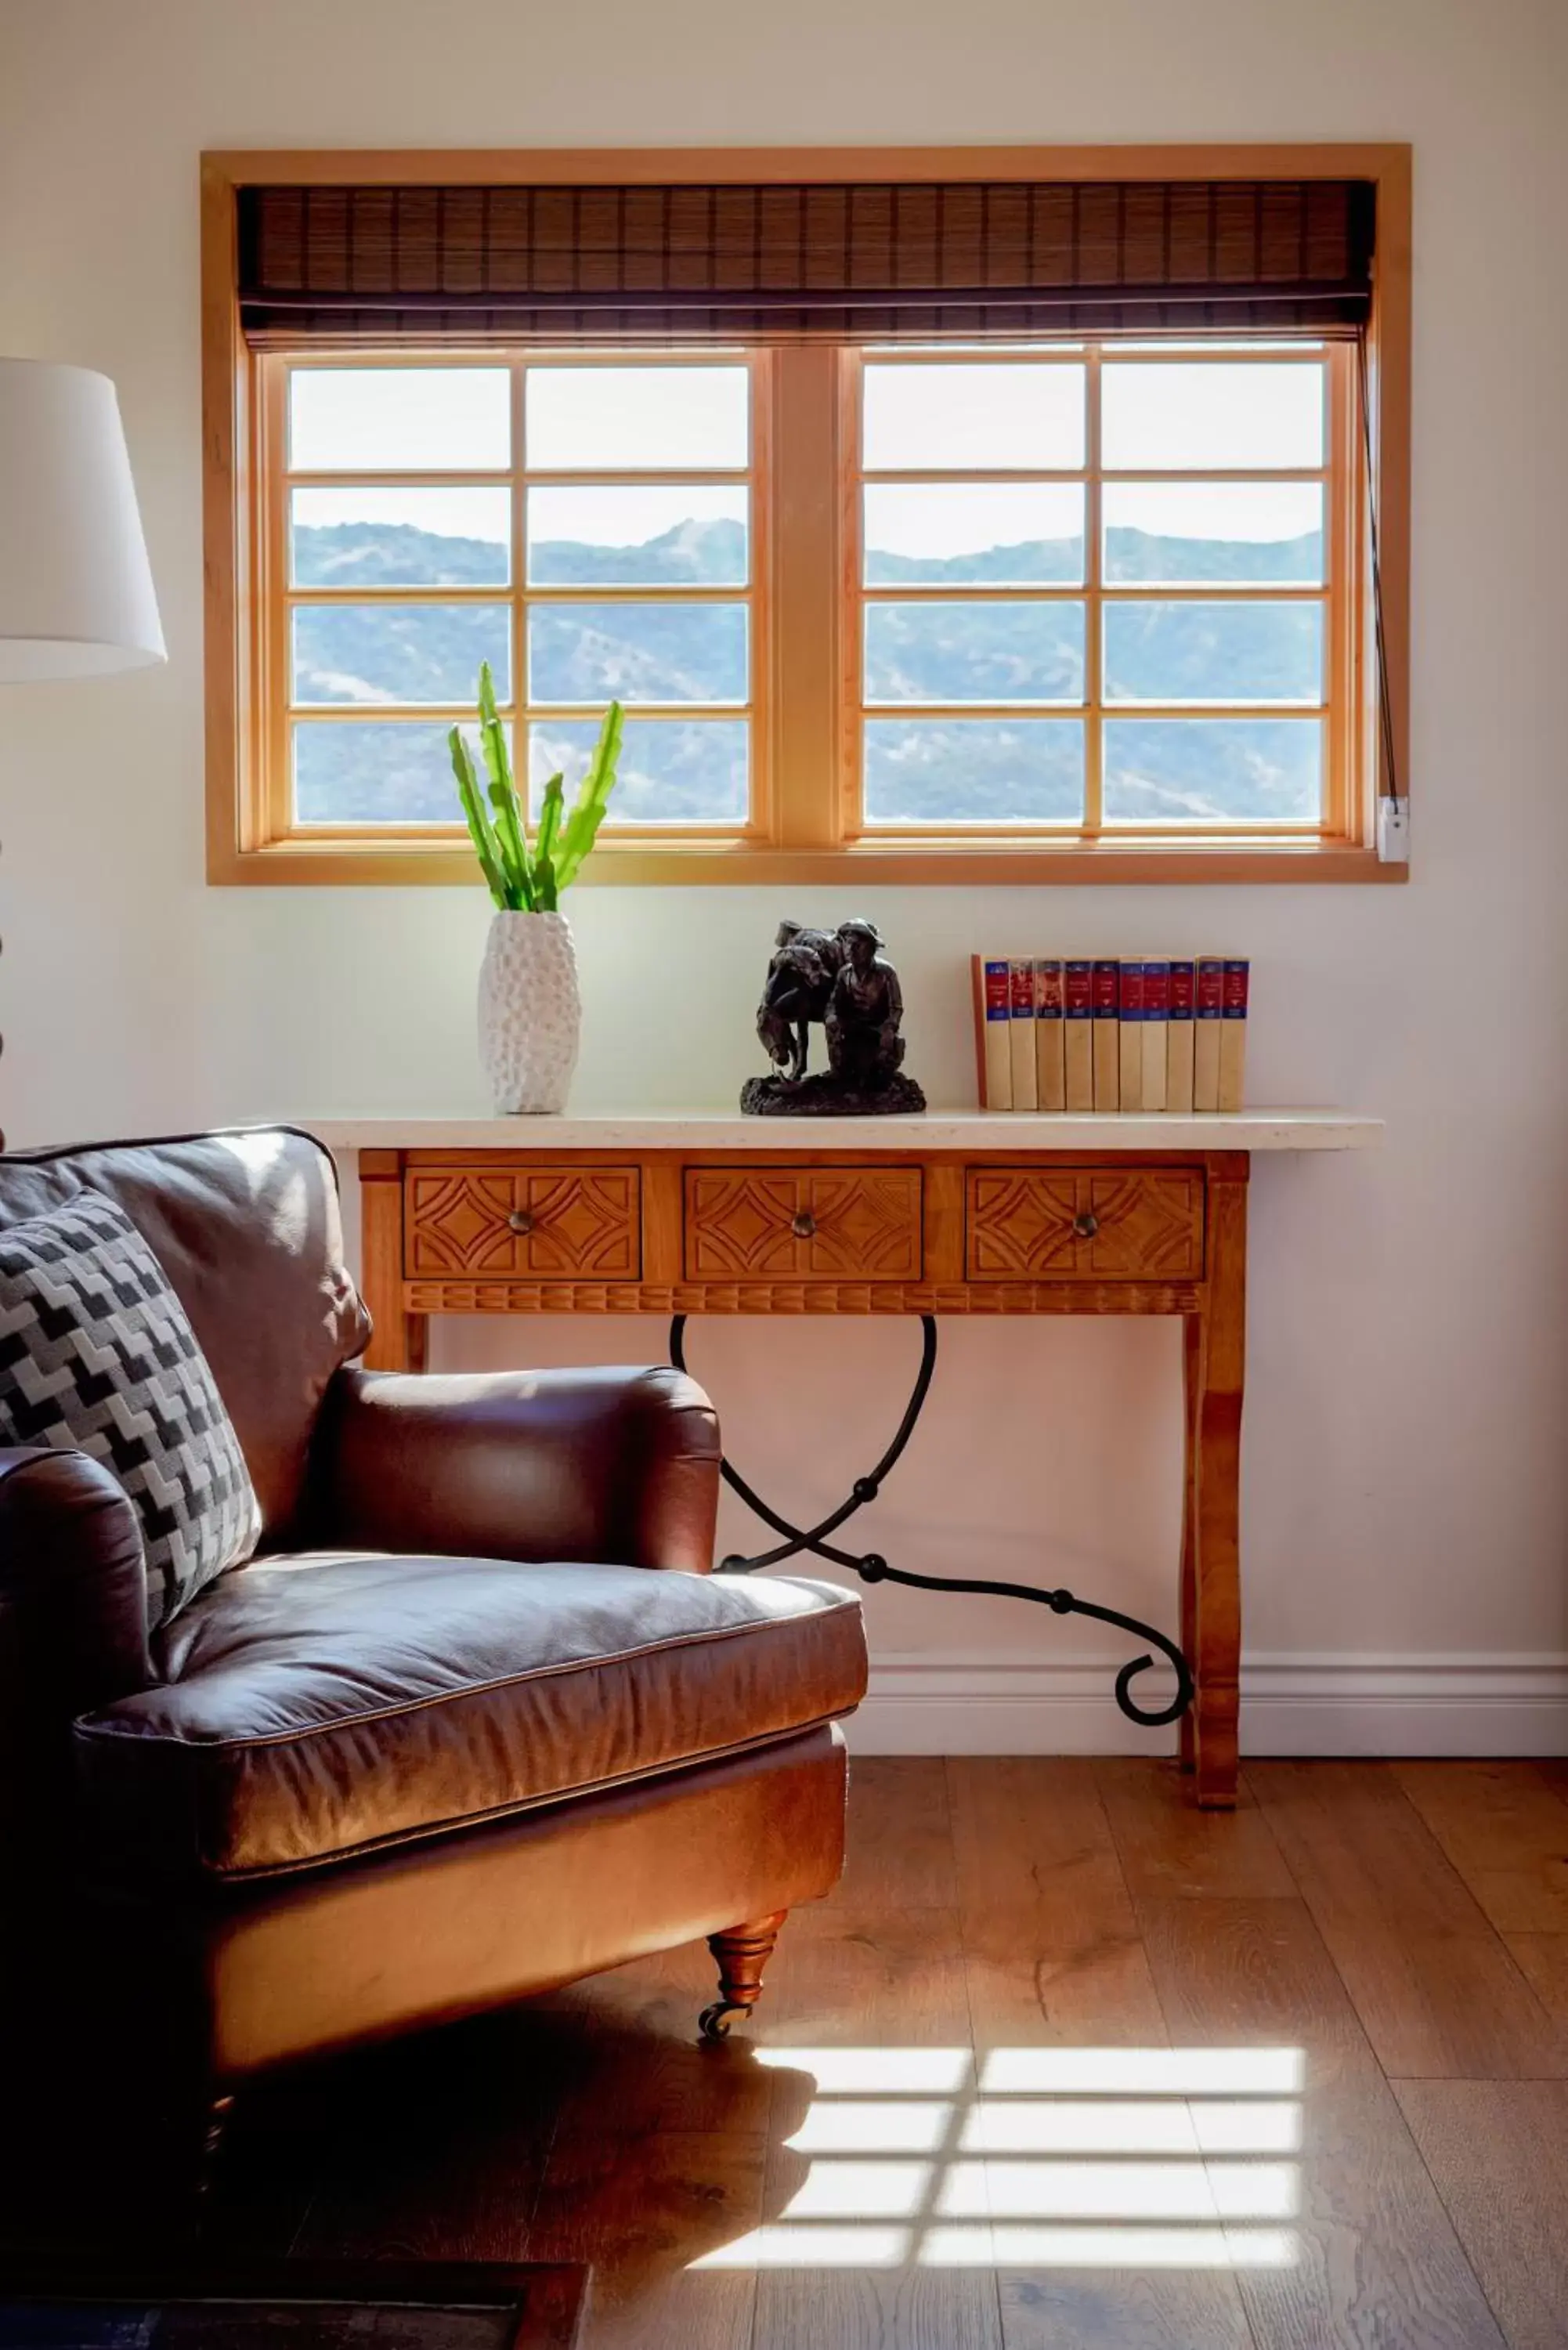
963 1214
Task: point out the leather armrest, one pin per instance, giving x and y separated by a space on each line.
617 1466
73 1624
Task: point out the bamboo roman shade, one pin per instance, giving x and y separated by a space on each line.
920 261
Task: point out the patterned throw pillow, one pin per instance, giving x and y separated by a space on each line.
96 1355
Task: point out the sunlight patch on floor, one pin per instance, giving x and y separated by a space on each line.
1110 2158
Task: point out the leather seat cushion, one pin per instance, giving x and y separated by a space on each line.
325 1705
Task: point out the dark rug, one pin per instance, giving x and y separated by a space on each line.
295 2306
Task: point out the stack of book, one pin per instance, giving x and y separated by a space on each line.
1154 1032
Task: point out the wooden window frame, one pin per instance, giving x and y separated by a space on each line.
804 778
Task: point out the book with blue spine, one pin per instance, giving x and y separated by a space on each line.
1078 1049
1209 1007
1179 1063
1129 1032
1107 1019
1236 988
1021 1027
1156 1009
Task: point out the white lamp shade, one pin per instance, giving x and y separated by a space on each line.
75 589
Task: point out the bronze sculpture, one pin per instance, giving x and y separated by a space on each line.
842 979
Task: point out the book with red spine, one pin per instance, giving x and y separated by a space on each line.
1077 1023
1050 1049
1209 1007
1234 1032
1021 989
1129 1033
1179 1036
992 1024
1155 1014
1107 1017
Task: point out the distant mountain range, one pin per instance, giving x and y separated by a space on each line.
985 770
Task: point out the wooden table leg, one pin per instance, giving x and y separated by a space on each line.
398 1343
1216 1476
1191 1385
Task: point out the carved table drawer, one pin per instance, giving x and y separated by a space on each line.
1136 1223
808 1224
572 1222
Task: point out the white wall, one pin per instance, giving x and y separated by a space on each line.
1404 1478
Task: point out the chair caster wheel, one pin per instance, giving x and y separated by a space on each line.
714 2021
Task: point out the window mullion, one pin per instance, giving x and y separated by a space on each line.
1094 625
519 696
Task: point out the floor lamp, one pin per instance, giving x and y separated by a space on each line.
76 590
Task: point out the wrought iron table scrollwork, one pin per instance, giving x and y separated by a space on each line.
872 1567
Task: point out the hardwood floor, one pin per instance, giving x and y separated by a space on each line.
1063 2065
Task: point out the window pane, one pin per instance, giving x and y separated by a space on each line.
1229 415
691 771
615 418
637 653
990 418
375 772
1236 652
1192 533
974 771
630 537
399 420
401 538
994 533
399 652
1190 770
974 652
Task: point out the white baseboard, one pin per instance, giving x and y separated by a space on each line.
1429 1705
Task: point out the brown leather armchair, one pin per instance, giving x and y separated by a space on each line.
446 1740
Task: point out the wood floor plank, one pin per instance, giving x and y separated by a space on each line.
1436 1988
1052 1948
901 1854
1542 1961
436 2145
1167 1846
1122 2309
1499 2153
847 2261
1368 2256
642 2213
1504 1827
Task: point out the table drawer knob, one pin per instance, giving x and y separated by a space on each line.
805 1225
1086 1224
520 1221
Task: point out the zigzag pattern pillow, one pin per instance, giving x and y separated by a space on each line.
96 1355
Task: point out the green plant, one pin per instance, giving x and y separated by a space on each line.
524 877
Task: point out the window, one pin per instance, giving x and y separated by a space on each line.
587 529
1099 594
888 591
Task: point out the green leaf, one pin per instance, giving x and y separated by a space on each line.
479 826
511 824
546 882
581 825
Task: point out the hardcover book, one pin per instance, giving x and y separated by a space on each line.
1179 1037
1208 1009
1108 1016
1156 1007
1025 1085
1078 1006
1234 1032
992 1025
1129 1033
1050 1054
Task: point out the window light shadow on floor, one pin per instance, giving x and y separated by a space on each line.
1044 2158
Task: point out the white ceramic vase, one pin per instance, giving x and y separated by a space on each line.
530 1014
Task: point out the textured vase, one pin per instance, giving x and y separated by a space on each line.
530 1014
